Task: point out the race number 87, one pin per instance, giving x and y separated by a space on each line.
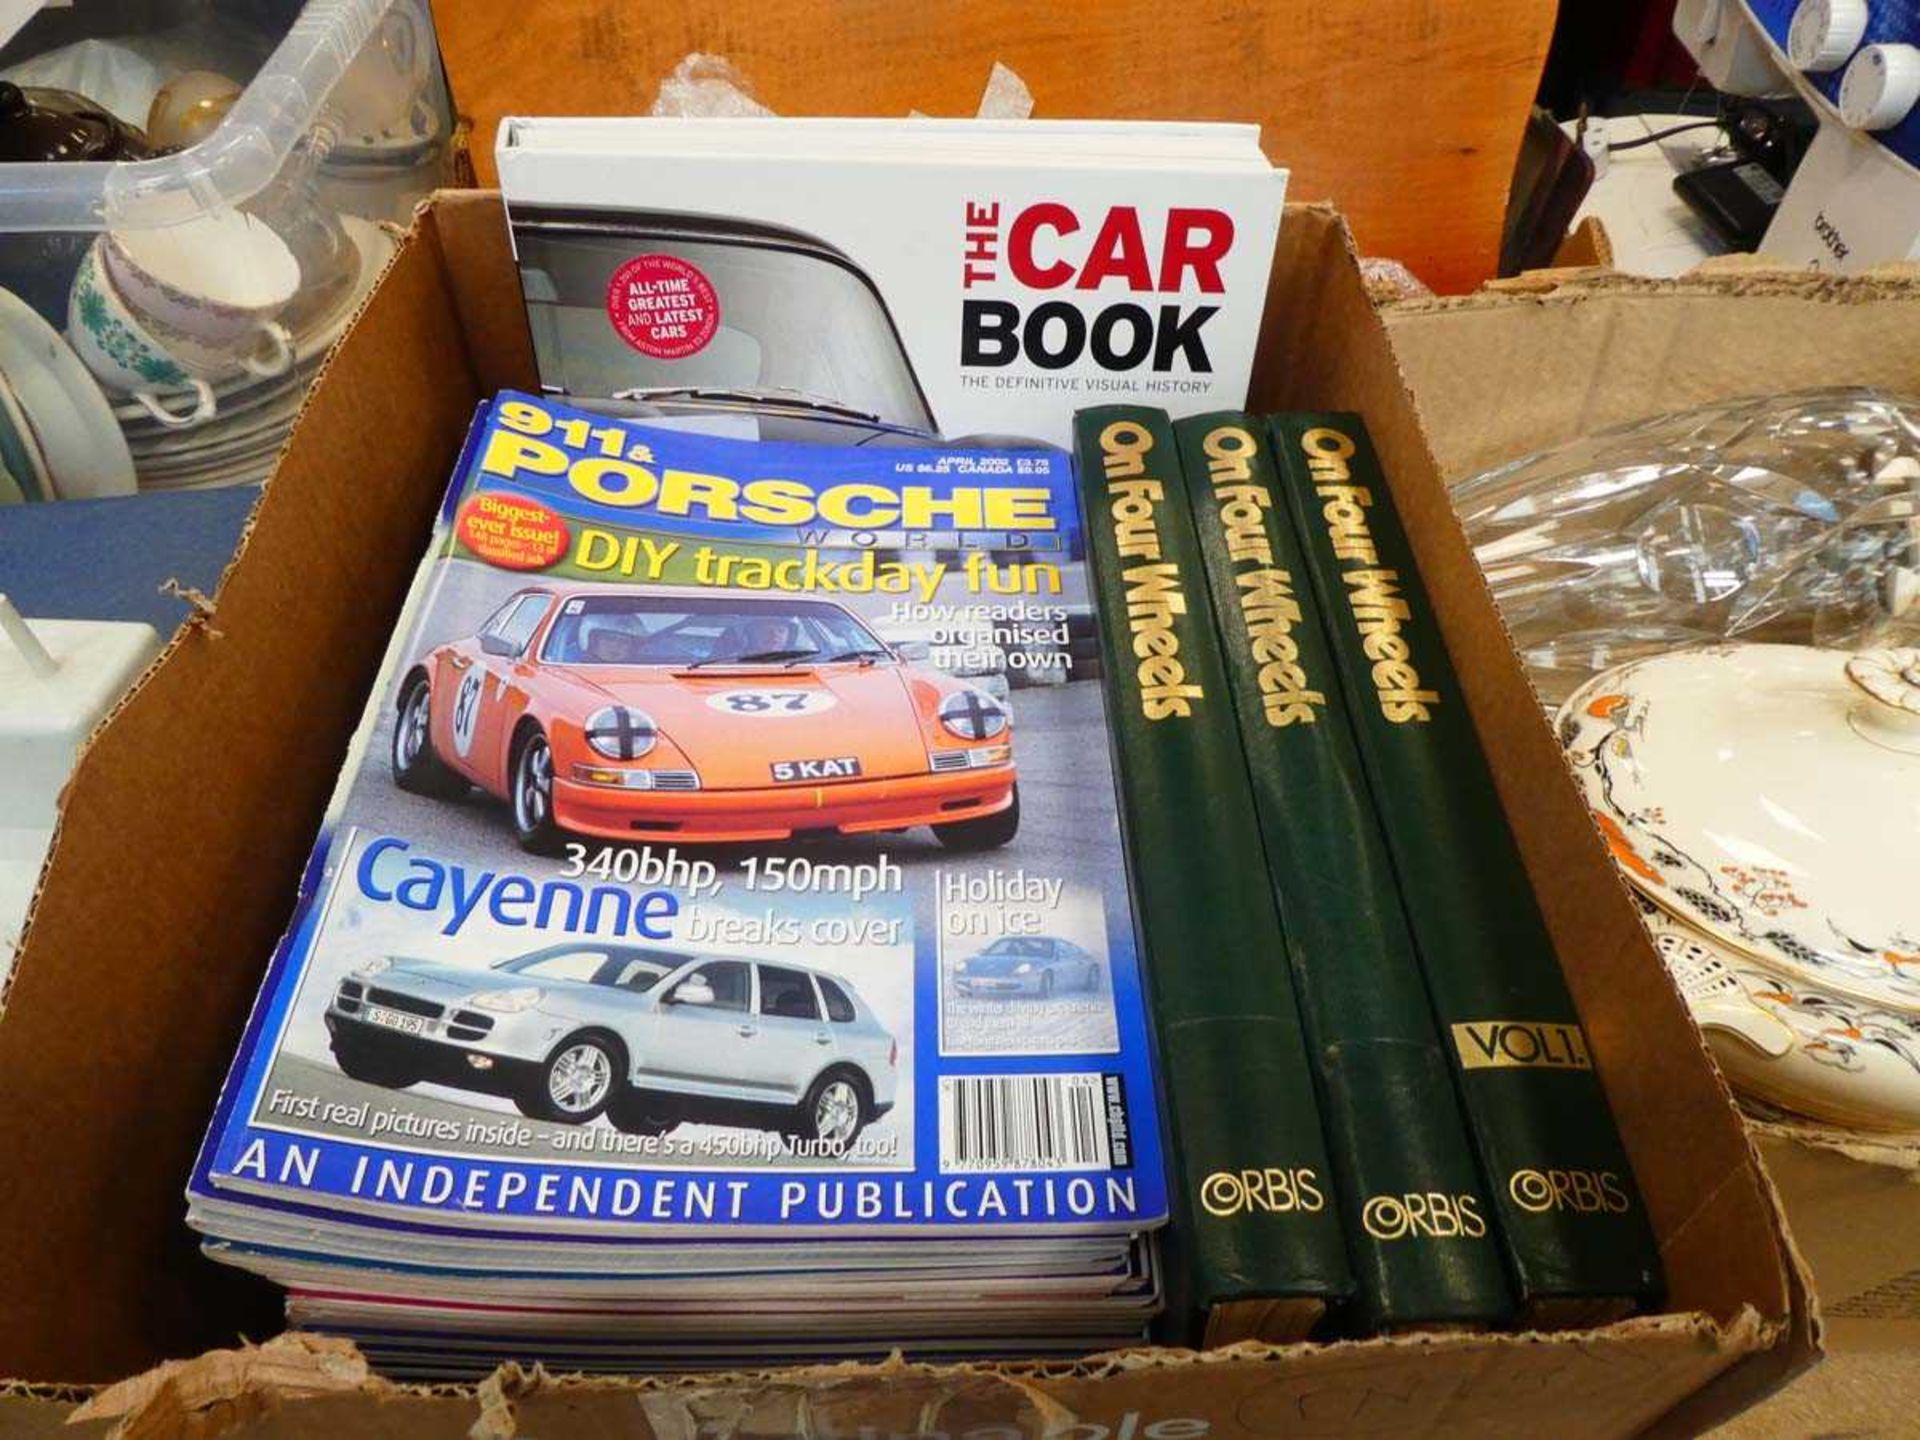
763 702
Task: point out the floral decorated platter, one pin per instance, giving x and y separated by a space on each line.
1764 800
1770 796
1823 1055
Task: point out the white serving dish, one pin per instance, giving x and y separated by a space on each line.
1765 800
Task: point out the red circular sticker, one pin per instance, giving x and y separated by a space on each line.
663 307
513 533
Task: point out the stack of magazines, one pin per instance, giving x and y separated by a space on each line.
719 948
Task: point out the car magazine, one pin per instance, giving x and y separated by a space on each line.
727 857
880 278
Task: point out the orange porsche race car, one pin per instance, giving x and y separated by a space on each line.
652 713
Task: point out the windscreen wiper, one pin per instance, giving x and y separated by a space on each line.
792 399
758 657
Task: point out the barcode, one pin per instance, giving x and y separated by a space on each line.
1024 1122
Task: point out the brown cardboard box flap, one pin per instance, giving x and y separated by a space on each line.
1407 1385
239 1383
189 819
1855 1206
1899 1152
1499 374
182 836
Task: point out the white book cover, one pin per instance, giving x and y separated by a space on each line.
867 280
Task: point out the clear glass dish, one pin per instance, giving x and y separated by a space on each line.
1792 518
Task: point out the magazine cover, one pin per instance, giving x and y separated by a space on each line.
883 277
729 846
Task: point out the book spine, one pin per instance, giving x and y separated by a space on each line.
1413 1202
1258 1251
1579 1243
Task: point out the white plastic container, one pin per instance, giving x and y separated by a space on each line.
282 103
57 678
329 100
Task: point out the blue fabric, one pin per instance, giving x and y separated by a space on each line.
107 559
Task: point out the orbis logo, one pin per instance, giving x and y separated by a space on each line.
1580 1192
1048 246
1433 1214
1271 1189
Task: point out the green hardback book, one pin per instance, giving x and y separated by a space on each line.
1579 1245
1255 1248
1415 1207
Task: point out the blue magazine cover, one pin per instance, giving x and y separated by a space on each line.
728 850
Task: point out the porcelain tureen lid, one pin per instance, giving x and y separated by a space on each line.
1770 795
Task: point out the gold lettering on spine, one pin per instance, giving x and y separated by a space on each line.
1154 596
1266 593
1273 1189
1429 1214
1373 592
1582 1192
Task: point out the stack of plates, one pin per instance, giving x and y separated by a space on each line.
239 445
57 439
1762 801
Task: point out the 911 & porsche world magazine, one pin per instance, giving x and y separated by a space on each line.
728 852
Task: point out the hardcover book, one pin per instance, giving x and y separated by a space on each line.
1579 1244
862 279
722 906
1418 1221
1256 1243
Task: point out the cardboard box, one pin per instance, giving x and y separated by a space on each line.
1571 354
189 817
1854 1201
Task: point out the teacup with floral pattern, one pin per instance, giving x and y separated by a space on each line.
125 356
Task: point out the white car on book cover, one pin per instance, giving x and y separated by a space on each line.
1035 965
648 1037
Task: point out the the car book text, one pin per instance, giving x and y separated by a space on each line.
1074 261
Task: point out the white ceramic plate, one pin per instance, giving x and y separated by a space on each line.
236 411
267 437
62 404
29 465
259 454
261 420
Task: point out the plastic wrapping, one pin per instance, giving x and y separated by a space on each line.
708 85
1791 518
